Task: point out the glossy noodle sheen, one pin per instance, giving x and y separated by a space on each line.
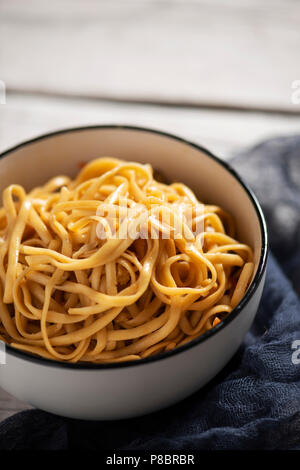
73 289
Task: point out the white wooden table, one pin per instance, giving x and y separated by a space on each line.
218 72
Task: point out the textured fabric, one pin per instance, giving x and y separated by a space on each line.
254 403
272 169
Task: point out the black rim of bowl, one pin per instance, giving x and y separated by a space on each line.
195 342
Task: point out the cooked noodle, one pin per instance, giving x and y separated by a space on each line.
73 289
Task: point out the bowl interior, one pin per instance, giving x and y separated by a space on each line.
62 153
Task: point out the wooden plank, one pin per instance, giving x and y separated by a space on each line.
226 132
10 405
217 53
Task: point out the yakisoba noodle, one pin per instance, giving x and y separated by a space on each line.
71 295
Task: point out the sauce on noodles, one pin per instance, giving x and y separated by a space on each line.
114 265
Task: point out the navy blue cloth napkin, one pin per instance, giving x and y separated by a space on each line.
254 403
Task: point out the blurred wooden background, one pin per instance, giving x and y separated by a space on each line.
218 72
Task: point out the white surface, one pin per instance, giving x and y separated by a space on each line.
228 53
223 132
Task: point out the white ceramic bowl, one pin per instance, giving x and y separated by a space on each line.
114 391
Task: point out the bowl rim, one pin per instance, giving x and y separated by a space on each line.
208 334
